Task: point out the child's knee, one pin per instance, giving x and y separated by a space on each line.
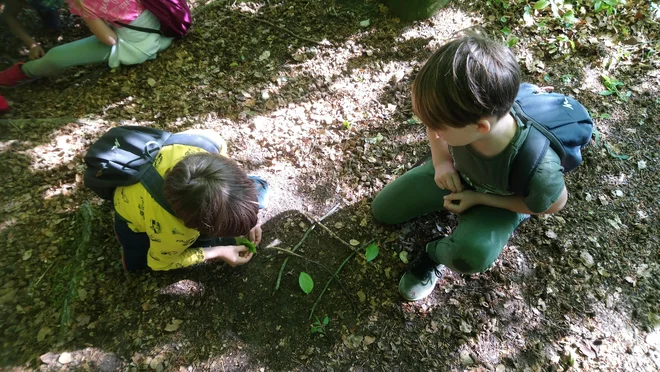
474 257
383 213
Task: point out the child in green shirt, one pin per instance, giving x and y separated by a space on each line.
463 95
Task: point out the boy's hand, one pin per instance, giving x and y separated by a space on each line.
465 200
255 235
234 255
447 178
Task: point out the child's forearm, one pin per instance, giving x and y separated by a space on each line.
102 31
439 148
517 203
512 203
18 30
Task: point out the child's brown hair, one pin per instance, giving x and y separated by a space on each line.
467 79
213 195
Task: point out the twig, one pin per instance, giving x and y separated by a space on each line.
42 275
309 230
332 233
288 251
311 313
327 284
281 28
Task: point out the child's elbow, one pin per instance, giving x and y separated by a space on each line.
109 40
559 204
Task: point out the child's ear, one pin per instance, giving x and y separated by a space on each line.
483 126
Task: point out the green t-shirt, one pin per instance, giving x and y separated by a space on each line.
491 174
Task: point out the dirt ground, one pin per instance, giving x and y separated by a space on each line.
314 96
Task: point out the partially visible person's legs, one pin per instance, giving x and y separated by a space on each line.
474 245
81 52
4 107
477 241
413 194
134 246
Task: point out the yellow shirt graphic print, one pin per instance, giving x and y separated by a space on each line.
169 238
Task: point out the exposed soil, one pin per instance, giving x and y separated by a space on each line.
325 117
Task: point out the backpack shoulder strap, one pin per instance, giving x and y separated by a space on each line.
529 155
526 161
154 183
193 140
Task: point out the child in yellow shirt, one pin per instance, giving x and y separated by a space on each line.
211 197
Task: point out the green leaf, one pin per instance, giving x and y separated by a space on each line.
605 116
606 93
596 134
326 320
306 282
541 4
372 252
614 154
506 30
246 242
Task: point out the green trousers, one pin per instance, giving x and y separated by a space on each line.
476 242
86 51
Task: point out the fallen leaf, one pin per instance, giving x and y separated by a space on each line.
403 256
174 325
43 333
368 340
365 23
65 358
354 242
464 327
362 296
264 56
27 254
151 82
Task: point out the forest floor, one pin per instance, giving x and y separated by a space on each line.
314 96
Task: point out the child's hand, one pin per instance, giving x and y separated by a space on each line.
36 52
465 200
255 235
234 255
447 178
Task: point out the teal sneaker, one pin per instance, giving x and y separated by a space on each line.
420 278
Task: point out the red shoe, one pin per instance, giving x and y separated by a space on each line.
13 76
4 107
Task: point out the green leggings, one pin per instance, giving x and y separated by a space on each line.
480 236
86 51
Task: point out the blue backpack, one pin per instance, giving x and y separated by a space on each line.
124 155
556 121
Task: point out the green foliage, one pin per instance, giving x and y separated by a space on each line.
612 85
371 252
347 124
608 6
306 283
246 242
319 326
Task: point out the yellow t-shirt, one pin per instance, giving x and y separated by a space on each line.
169 237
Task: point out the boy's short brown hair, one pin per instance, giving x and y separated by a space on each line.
213 195
467 79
